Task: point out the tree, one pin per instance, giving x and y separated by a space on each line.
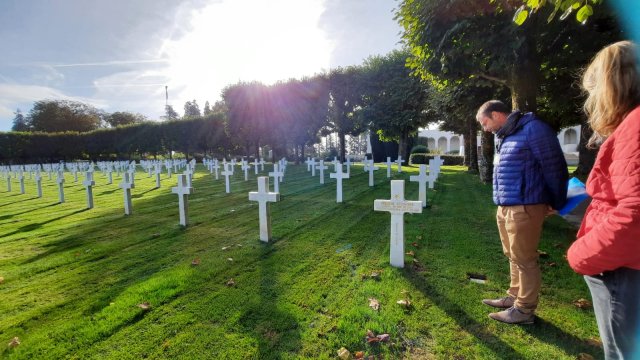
120 118
19 122
207 109
170 114
345 98
191 109
582 9
247 116
455 40
63 115
395 102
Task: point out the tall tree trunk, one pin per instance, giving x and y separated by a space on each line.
402 146
472 134
341 136
302 151
587 157
524 77
486 158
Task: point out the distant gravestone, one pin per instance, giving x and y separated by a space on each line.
263 197
216 168
322 167
126 184
308 162
372 168
348 163
88 184
226 173
339 175
422 179
397 206
189 174
261 164
245 168
21 179
60 181
8 177
109 175
158 171
277 175
182 190
39 183
399 161
313 167
389 162
256 163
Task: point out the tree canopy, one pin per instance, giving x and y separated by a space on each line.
63 115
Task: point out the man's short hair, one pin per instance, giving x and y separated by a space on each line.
493 105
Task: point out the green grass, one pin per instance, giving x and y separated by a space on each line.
73 277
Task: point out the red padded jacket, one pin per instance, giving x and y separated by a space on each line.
609 237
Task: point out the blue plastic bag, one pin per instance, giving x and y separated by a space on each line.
576 193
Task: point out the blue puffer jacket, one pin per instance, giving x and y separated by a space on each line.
531 168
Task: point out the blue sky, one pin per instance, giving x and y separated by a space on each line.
118 55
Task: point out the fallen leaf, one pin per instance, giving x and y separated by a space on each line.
165 344
414 244
230 259
231 282
359 355
344 354
419 237
14 342
1 279
195 262
404 302
144 306
384 337
584 356
374 304
411 253
375 275
239 245
77 254
582 303
225 248
155 235
550 264
594 341
543 254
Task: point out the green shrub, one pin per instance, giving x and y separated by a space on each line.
417 158
419 149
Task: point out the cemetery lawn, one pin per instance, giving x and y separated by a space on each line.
75 282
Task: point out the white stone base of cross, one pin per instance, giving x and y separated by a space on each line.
263 197
397 206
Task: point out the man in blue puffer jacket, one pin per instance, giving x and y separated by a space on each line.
529 182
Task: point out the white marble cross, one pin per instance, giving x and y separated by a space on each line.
189 173
158 171
313 166
226 173
372 168
60 181
348 163
263 197
255 165
127 185
39 183
88 184
399 161
397 206
422 179
109 175
339 175
132 175
245 167
322 167
261 164
277 178
308 162
8 177
21 179
182 190
389 162
216 167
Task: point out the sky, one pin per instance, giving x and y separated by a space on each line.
118 55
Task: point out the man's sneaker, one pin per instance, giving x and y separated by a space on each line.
502 303
513 316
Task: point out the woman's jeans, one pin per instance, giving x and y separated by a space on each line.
616 302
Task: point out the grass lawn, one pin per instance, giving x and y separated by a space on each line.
74 278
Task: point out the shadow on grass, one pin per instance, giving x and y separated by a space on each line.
19 201
276 331
139 195
460 316
551 334
9 216
36 226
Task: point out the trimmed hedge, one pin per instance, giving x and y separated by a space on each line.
417 158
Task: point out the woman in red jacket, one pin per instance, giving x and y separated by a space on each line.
607 250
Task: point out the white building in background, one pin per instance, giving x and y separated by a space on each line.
447 142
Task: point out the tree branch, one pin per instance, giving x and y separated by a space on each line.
493 78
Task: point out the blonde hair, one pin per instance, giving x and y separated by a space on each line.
612 83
